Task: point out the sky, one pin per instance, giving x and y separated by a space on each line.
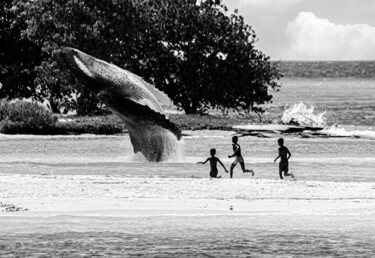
311 29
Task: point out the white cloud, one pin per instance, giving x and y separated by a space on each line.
313 38
276 4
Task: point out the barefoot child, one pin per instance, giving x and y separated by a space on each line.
213 163
284 155
239 158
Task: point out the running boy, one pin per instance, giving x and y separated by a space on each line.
284 155
213 163
239 158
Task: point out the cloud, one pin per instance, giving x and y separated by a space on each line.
276 4
313 38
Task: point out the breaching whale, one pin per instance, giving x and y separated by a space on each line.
138 103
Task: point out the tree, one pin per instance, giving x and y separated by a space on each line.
108 30
207 57
18 56
195 52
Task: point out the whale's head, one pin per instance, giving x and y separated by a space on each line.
139 104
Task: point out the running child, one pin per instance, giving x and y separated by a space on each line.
284 155
239 159
213 163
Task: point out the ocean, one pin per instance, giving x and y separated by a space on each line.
348 101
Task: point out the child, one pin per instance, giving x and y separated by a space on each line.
213 163
284 156
239 158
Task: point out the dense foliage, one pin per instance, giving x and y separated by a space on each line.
18 56
24 117
208 59
196 52
90 125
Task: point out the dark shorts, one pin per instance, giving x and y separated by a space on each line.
284 166
213 173
238 159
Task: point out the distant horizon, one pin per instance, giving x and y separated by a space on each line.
311 30
311 61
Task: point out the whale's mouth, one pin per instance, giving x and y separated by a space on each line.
85 67
137 103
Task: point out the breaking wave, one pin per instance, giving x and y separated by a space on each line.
303 114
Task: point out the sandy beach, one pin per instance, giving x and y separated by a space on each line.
124 196
119 216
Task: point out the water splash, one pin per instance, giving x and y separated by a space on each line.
303 114
175 152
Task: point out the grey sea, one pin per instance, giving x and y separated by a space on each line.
331 173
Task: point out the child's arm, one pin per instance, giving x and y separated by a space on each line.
234 153
222 165
276 158
203 162
290 154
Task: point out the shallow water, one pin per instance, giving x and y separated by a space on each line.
191 236
346 160
326 159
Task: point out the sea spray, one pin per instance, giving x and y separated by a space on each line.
303 114
175 151
180 150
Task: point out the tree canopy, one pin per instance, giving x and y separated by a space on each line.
196 52
18 56
207 57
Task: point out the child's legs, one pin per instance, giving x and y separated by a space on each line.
286 170
243 166
281 170
231 169
283 167
213 173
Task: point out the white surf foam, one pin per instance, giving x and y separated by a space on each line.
338 130
303 114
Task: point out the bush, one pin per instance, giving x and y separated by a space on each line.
198 122
21 117
92 124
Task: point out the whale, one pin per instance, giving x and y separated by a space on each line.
140 105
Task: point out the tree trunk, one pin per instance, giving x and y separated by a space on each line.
190 107
54 106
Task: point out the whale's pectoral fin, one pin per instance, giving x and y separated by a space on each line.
162 98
